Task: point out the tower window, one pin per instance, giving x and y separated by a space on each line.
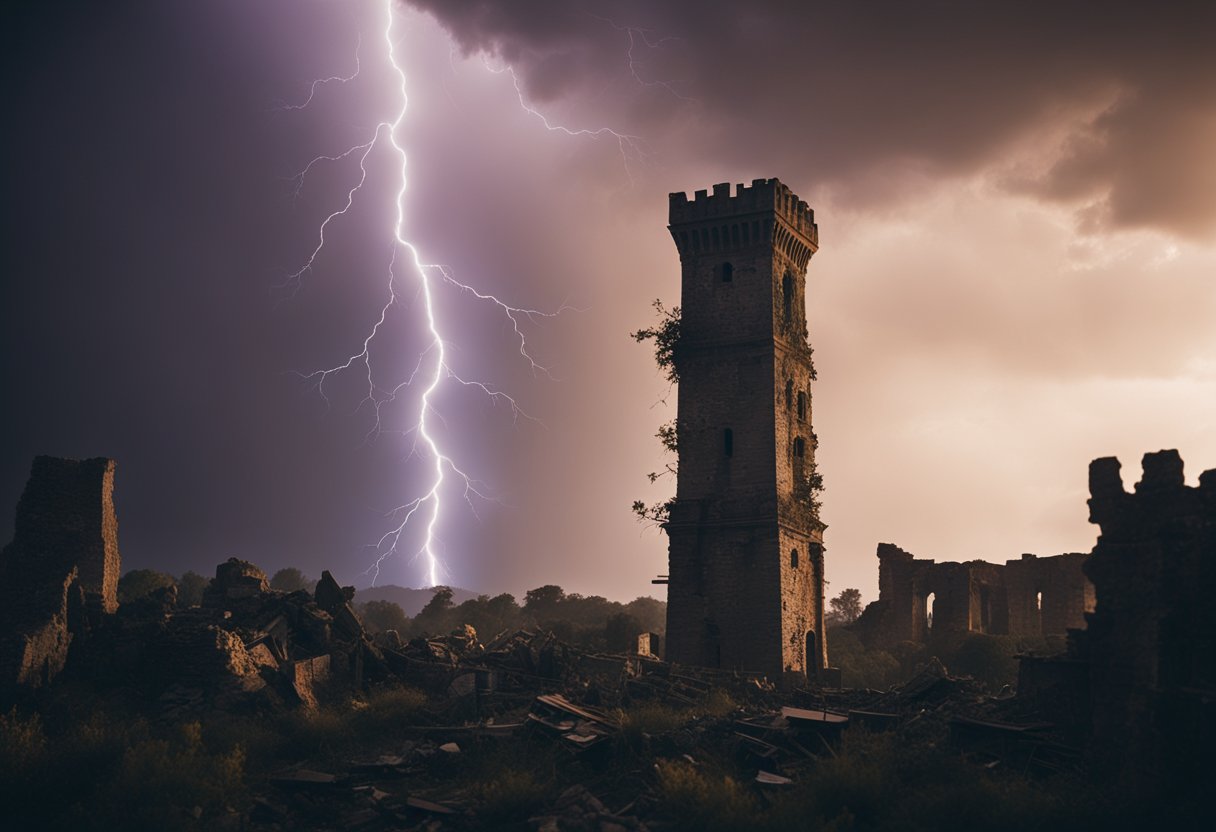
728 272
728 442
802 405
787 298
793 558
799 447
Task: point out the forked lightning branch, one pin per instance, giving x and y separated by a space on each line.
431 372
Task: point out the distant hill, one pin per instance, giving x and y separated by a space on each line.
410 600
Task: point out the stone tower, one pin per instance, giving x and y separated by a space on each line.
745 573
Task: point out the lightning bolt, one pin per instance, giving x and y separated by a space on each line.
628 144
636 33
432 369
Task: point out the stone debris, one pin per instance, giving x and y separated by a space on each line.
1134 689
578 810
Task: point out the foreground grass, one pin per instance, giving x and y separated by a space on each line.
94 769
876 782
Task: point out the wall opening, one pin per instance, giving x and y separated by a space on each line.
930 600
787 298
799 447
802 405
793 558
728 272
728 442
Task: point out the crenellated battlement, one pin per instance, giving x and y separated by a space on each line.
763 196
1162 490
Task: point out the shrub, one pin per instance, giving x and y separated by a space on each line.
703 800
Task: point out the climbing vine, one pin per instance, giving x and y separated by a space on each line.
666 337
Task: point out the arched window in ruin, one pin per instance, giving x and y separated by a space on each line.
728 442
789 393
793 558
929 602
799 447
802 405
728 272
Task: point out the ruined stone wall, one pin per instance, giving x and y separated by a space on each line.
745 551
1030 597
66 516
64 554
1151 638
1047 596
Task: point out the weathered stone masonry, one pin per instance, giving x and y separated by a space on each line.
919 598
62 565
745 586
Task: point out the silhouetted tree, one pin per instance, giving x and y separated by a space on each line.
139 582
542 602
435 618
621 632
290 580
488 616
384 615
190 587
845 607
650 613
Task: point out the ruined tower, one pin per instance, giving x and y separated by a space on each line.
745 573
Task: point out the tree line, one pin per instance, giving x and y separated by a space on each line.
588 621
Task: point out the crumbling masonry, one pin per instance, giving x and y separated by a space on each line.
921 599
61 566
745 584
1151 640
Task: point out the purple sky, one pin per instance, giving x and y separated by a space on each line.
1017 273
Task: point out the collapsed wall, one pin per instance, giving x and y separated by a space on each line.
63 561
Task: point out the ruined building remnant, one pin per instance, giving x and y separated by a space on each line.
63 562
919 598
1151 640
745 585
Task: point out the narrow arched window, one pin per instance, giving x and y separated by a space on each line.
728 442
799 447
728 272
802 405
787 298
793 558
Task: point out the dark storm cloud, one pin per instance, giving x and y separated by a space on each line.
1116 101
